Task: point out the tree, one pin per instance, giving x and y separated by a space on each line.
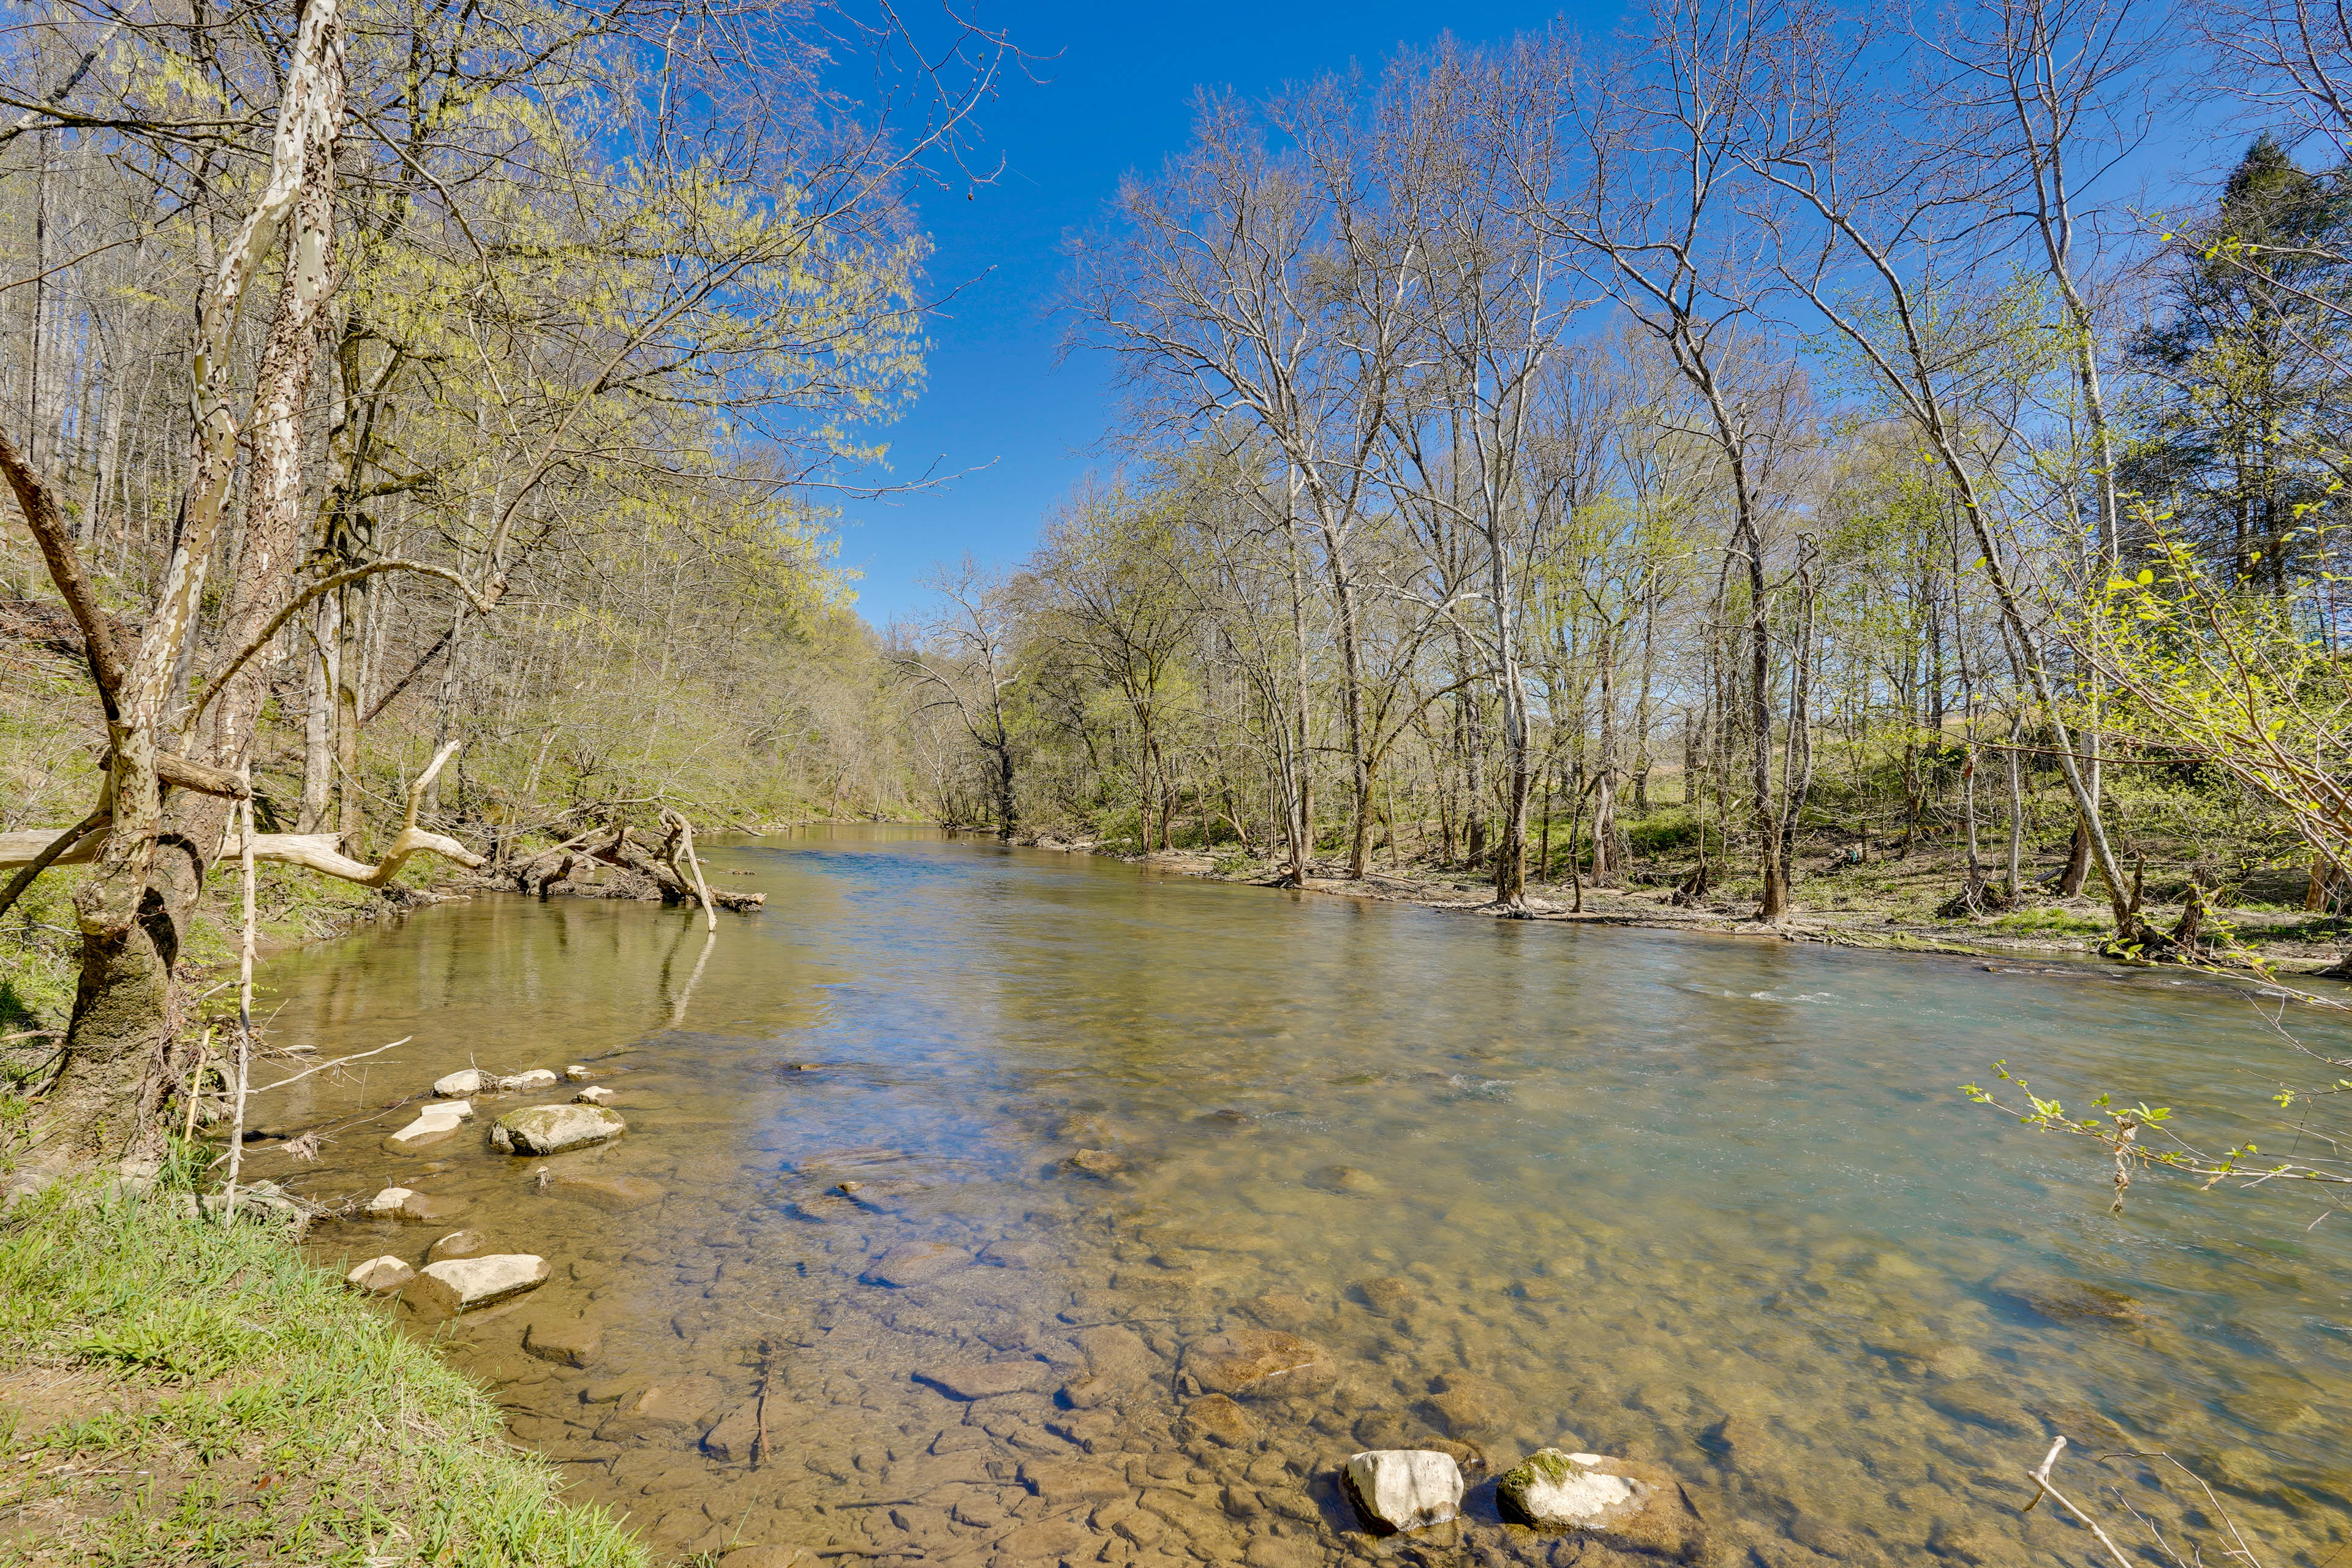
963 662
566 305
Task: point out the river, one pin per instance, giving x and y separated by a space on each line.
1713 1203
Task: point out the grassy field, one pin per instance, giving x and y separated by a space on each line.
176 1393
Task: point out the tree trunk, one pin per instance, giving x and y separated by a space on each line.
347 725
133 909
2016 808
1605 869
319 650
2078 862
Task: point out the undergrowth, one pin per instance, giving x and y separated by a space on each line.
225 1400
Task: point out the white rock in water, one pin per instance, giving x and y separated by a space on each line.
1553 1490
596 1096
434 1122
1404 1488
461 1284
577 1073
459 1085
387 1202
382 1273
537 1077
552 1129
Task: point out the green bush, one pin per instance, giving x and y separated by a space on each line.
1662 831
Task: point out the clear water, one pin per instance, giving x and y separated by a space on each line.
1713 1203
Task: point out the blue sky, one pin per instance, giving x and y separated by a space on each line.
1118 97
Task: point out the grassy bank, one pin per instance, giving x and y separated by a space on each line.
176 1393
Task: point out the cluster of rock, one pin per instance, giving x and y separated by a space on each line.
460 1273
537 1129
1395 1490
1233 1388
1399 1490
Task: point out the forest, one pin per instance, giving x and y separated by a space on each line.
1874 476
1786 450
1776 460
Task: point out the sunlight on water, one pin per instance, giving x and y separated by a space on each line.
1712 1203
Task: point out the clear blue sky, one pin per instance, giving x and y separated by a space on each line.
1118 97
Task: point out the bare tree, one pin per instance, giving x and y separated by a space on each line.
963 662
1261 296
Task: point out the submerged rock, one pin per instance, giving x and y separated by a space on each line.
1396 1489
988 1379
914 1263
433 1123
575 1341
1217 1419
381 1274
386 1204
462 1285
459 1244
1258 1364
1098 1163
614 1192
1553 1491
552 1129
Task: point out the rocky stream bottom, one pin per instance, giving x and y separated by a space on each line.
1146 1352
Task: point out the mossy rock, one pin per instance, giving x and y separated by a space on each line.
1631 1507
552 1129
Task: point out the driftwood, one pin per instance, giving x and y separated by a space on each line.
613 862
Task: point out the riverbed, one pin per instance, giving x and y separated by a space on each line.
950 1119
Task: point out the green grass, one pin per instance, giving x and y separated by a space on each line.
174 1393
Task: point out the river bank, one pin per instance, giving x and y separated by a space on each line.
2074 929
176 1393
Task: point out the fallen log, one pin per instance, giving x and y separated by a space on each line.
617 863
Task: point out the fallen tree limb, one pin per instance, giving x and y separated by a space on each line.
319 852
48 856
322 852
323 1066
685 840
201 777
617 863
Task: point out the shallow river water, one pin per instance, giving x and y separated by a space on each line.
950 1119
